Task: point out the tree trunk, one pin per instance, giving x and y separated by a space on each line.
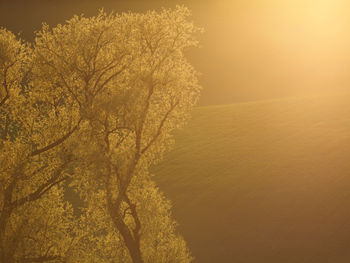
5 254
5 214
132 241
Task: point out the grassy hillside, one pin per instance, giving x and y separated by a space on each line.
263 182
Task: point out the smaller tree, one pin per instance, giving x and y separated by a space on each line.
34 219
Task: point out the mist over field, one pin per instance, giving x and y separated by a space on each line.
263 181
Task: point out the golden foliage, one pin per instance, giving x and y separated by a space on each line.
93 100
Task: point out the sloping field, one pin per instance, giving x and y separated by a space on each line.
264 181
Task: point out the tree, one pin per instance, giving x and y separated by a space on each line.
97 103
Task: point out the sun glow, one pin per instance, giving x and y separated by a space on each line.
281 47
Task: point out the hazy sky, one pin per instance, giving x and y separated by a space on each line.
252 49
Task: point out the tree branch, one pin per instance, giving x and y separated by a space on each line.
5 86
40 259
7 96
57 142
136 230
159 128
41 190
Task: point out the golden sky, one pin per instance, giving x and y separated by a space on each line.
264 49
252 49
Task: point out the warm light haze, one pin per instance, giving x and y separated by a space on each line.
180 131
262 49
